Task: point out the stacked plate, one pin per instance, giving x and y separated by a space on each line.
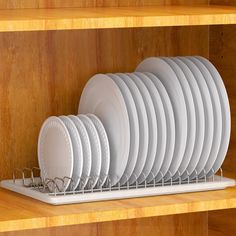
168 120
73 152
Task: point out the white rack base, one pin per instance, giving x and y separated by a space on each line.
215 183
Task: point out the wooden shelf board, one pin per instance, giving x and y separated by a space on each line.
18 212
114 17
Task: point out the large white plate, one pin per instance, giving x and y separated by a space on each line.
217 116
87 162
77 150
200 118
157 147
55 152
191 114
173 87
226 116
134 126
104 147
151 126
167 149
95 149
209 119
102 97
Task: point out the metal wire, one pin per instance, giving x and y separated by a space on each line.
57 186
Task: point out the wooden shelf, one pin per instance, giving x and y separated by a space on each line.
18 212
119 17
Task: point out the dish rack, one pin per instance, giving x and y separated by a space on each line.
48 191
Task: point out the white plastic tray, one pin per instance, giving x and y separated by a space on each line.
215 183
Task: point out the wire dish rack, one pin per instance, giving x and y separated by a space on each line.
50 191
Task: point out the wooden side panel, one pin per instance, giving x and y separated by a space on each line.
177 225
223 55
43 74
12 4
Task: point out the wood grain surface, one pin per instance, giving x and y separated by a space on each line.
13 4
177 225
223 55
123 17
18 212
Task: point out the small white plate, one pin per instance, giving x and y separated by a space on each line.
209 118
200 118
104 147
95 149
156 147
191 114
134 125
170 81
217 116
102 97
55 152
77 150
151 125
167 149
87 162
226 116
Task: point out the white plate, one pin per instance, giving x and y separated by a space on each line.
151 126
217 116
226 116
157 146
104 147
169 79
55 151
191 114
87 162
200 118
95 149
167 149
134 126
209 119
77 150
102 97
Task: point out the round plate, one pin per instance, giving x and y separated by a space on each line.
200 118
87 162
104 147
95 149
217 116
169 79
156 147
191 114
102 97
151 126
168 137
77 150
209 119
226 116
134 125
55 152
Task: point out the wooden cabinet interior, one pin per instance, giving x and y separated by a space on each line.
43 74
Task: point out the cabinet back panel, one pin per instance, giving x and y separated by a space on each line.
12 4
223 55
43 74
